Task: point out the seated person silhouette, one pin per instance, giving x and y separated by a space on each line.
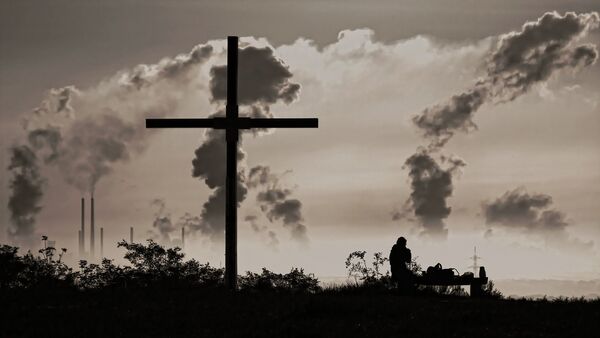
400 258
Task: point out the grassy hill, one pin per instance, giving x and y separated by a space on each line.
350 312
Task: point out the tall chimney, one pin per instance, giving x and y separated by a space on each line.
92 231
131 235
182 238
80 241
101 242
82 231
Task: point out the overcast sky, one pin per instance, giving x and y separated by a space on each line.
365 70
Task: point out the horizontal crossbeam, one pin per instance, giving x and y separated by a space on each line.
237 123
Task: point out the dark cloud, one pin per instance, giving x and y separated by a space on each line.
431 186
276 203
209 164
88 131
533 214
46 138
518 61
26 192
262 78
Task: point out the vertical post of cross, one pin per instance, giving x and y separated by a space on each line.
232 135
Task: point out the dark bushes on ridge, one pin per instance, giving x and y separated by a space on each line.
151 266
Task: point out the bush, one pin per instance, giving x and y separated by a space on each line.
33 272
369 274
151 266
295 281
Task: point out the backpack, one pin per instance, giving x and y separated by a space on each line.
438 272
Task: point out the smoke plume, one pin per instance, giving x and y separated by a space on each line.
532 214
519 60
431 186
263 80
85 132
276 203
26 187
162 221
268 236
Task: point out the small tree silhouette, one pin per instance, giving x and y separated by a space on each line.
359 269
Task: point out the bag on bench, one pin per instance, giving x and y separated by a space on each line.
438 272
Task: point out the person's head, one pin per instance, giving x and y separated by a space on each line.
401 241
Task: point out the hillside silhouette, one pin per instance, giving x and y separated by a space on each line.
161 294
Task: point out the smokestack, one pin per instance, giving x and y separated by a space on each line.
182 237
82 231
92 232
131 235
101 242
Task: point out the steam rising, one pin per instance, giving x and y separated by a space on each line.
431 186
269 236
519 61
162 221
531 213
275 202
263 79
85 132
26 187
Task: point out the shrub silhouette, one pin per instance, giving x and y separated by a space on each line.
296 281
151 266
369 274
33 272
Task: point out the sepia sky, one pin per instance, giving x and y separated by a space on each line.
523 186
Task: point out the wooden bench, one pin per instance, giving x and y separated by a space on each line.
475 283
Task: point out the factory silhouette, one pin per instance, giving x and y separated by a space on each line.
90 254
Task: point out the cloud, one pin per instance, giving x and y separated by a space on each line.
87 131
263 79
276 203
268 236
519 60
532 214
431 186
26 186
162 221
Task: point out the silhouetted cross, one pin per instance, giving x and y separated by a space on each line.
232 123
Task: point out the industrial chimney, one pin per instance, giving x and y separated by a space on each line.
101 242
92 231
80 241
131 235
82 231
182 238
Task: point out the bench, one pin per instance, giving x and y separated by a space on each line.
475 283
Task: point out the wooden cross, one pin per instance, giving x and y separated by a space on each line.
232 124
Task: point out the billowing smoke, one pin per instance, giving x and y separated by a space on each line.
276 203
517 62
85 132
263 79
268 236
532 214
431 186
162 223
26 187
